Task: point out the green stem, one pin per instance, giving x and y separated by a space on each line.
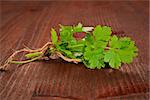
32 55
27 61
79 45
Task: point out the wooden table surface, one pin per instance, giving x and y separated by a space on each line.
29 23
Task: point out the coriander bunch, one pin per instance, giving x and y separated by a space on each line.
96 48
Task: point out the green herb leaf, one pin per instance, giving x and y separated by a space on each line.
78 28
54 36
93 58
66 34
112 58
127 50
102 33
121 50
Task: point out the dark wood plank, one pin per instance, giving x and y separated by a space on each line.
29 23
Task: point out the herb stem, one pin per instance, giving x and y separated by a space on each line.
23 62
75 46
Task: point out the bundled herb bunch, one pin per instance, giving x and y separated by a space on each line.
97 48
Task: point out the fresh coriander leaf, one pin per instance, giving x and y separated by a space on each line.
96 49
102 33
78 28
54 36
112 58
89 39
87 53
93 58
101 64
114 43
66 34
124 47
94 62
100 44
126 42
128 50
126 56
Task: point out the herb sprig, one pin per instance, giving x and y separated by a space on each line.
95 49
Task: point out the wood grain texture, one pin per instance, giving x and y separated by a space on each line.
29 23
